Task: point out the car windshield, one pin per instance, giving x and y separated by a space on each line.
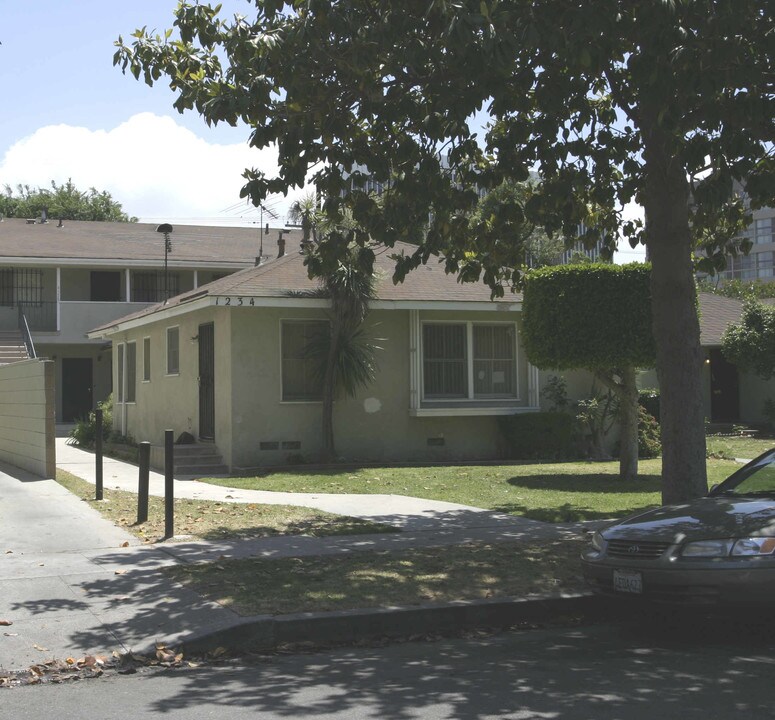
756 478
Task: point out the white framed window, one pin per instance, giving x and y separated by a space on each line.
173 350
301 381
120 372
131 372
146 359
469 361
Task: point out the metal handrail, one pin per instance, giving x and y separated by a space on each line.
24 328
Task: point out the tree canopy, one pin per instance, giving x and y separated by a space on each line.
501 209
62 201
750 344
606 100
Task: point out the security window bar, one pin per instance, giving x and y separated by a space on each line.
445 362
120 374
131 372
149 286
494 364
173 351
469 361
21 286
301 379
146 359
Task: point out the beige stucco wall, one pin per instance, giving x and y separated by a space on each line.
172 401
27 416
376 425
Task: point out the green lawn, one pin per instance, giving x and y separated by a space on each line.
382 579
554 492
210 520
725 446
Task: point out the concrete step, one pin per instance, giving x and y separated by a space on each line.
197 459
201 470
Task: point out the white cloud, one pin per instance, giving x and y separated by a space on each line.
154 167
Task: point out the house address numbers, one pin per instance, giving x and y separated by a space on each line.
230 301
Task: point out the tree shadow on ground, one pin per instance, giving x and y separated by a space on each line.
567 512
591 483
612 672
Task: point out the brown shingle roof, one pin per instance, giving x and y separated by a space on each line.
716 314
114 242
287 276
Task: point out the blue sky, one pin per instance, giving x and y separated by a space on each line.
67 112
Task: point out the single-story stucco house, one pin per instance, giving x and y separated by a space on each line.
225 363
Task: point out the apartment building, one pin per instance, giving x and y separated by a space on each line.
60 279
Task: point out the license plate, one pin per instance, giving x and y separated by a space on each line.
628 581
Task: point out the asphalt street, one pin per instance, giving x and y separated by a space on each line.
618 671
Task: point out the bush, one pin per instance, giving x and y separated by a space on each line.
648 399
649 434
85 431
537 436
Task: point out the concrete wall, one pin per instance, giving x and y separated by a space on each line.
27 416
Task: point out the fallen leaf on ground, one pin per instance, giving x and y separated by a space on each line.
6 622
120 572
125 543
40 647
11 634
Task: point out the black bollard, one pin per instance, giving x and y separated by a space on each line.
169 499
98 454
142 489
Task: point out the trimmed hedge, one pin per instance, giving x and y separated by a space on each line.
537 436
588 316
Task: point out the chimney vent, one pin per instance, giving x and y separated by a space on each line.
280 244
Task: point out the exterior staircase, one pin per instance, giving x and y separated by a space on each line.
12 347
199 460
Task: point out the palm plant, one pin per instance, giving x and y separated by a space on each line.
345 355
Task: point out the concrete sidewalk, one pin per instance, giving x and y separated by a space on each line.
73 584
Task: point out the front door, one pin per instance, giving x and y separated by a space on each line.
206 382
105 286
724 389
77 393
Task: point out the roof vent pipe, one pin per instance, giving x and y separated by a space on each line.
280 244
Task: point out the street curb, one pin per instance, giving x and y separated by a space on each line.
348 627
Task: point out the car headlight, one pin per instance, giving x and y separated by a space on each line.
753 546
598 542
707 549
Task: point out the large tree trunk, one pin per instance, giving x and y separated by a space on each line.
628 425
674 316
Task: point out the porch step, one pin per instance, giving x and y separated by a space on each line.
197 460
12 347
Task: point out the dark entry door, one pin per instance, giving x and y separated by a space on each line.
105 286
206 382
77 393
724 389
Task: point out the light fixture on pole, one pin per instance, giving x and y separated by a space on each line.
166 229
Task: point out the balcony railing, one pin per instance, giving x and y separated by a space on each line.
41 316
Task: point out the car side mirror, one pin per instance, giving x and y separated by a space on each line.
712 488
